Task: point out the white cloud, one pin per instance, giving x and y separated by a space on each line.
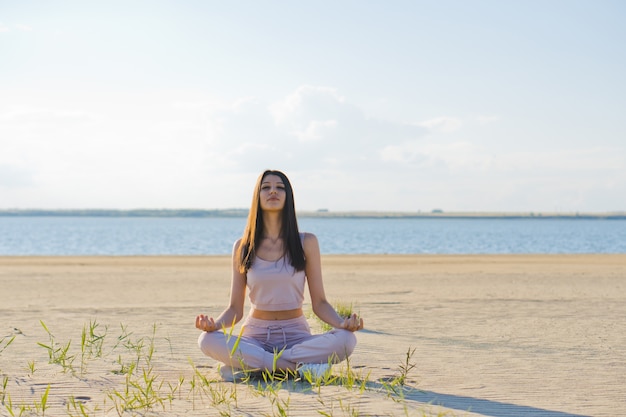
464 175
467 157
312 128
186 150
308 102
442 124
316 130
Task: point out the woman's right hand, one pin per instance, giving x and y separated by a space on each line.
205 323
352 323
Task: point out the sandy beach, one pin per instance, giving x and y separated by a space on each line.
520 335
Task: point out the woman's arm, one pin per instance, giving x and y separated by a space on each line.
321 307
234 312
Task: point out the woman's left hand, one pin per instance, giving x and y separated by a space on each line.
352 323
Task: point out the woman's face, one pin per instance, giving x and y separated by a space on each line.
273 193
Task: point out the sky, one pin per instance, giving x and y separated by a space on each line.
494 106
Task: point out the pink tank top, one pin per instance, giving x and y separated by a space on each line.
275 285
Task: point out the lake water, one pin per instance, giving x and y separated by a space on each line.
215 236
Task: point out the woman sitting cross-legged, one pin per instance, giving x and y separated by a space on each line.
273 260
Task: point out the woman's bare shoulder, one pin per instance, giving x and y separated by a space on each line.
308 236
236 245
309 242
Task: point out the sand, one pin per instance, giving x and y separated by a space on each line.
493 336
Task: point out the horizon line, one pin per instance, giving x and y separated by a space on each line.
242 212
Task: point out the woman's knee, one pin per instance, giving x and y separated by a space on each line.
346 342
209 341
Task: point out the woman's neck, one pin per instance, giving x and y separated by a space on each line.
272 225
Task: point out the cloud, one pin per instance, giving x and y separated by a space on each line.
442 124
316 130
466 160
308 103
311 128
184 149
576 163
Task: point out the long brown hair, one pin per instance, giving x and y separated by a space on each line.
253 233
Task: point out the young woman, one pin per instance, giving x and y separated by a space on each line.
273 260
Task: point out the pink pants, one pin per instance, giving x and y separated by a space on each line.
263 340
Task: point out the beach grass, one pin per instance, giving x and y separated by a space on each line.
140 384
343 308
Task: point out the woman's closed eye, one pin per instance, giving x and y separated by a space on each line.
268 188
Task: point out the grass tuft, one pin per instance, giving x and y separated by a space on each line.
136 387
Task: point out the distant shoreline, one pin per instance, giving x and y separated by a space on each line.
226 213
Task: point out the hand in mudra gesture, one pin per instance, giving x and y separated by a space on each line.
352 323
205 323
